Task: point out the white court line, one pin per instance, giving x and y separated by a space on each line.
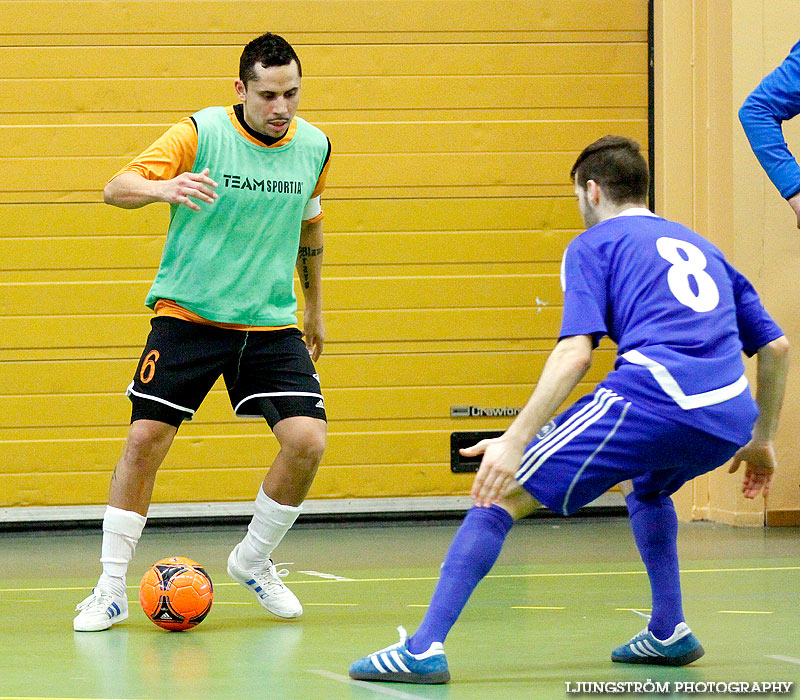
790 659
390 692
330 577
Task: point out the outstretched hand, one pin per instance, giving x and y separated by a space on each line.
501 460
760 461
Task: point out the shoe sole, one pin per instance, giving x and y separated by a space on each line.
260 600
111 622
421 678
693 655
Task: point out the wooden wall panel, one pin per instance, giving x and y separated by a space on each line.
376 215
468 92
353 171
343 251
80 17
425 136
454 124
429 291
346 370
126 62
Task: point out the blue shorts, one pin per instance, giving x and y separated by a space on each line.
604 439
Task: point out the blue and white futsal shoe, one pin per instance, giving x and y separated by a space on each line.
99 611
267 587
396 663
680 649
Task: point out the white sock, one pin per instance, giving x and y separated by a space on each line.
121 531
271 521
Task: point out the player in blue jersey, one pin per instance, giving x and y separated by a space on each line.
676 405
775 100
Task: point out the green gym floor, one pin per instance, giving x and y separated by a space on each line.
558 600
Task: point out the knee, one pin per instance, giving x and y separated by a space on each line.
147 443
305 446
518 503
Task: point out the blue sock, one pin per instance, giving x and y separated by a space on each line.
655 529
472 554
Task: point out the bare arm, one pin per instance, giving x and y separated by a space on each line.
130 190
759 453
502 456
309 269
794 203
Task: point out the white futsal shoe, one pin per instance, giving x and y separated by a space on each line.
267 587
99 611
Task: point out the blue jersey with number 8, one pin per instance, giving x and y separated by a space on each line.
679 313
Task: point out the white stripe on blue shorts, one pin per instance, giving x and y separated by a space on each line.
537 453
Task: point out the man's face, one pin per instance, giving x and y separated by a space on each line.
586 206
270 99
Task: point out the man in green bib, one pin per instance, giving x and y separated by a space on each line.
244 185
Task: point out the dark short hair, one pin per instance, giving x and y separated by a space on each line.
616 164
268 50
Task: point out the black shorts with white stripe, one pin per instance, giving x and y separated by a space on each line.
266 373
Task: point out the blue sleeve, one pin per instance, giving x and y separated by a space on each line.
756 327
775 100
583 281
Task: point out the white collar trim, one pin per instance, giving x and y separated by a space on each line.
635 211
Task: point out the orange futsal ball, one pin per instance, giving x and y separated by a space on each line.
176 593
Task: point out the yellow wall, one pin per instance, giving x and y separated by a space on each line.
709 56
453 123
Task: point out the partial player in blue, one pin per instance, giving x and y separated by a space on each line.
774 101
676 405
